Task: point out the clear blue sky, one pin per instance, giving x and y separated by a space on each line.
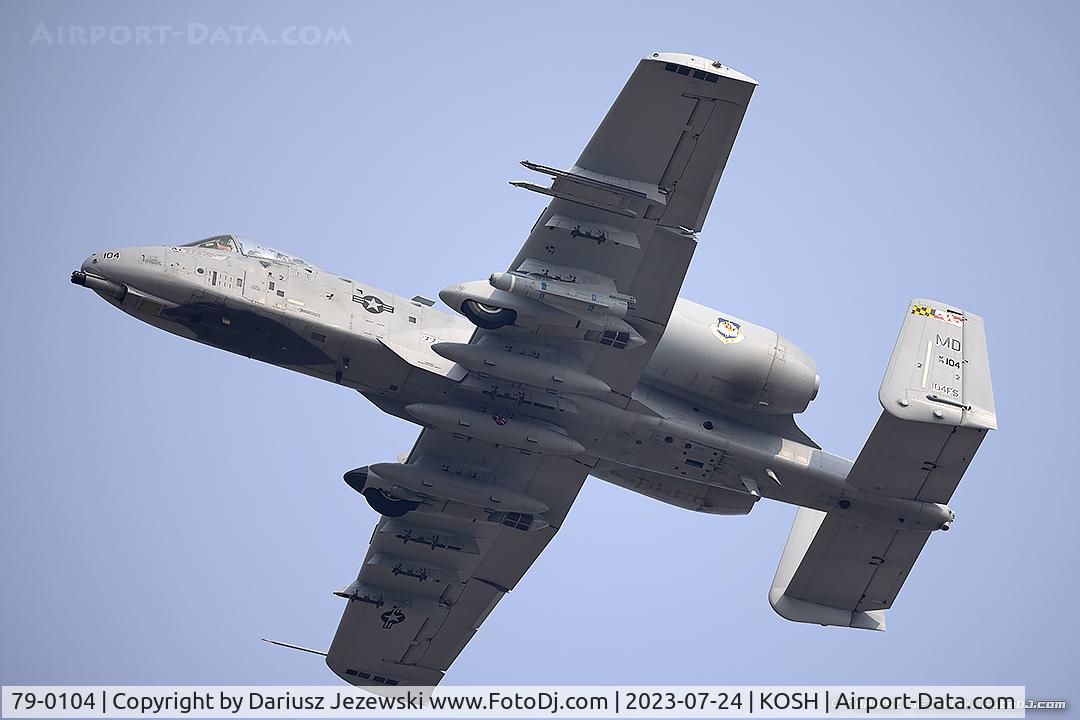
164 505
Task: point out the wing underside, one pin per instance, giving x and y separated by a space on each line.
623 219
630 207
430 578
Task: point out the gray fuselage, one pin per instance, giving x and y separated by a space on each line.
673 446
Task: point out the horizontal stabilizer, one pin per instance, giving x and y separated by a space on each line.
846 567
797 603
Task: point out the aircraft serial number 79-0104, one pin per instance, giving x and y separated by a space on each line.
582 360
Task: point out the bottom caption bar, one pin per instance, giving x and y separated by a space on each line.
514 702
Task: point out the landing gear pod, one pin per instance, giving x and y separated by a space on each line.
490 308
488 317
383 504
379 501
420 480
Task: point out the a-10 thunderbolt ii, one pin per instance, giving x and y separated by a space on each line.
582 360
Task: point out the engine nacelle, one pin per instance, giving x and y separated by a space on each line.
709 353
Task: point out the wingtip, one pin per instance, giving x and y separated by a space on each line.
701 63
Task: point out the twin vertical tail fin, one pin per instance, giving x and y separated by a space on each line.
939 373
846 567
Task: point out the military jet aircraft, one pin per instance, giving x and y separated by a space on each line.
582 360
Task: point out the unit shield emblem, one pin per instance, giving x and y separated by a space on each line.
727 331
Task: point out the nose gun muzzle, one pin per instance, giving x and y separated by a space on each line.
99 284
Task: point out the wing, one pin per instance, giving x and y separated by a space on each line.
938 405
629 208
477 506
432 576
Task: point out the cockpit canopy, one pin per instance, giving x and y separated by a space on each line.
231 243
221 243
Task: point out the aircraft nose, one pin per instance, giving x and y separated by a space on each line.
89 264
91 275
107 263
104 265
114 271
